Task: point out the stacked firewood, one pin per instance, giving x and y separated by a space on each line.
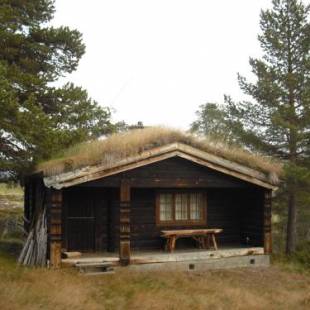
34 250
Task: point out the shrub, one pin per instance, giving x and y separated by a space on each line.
302 254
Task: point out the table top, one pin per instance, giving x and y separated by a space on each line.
190 232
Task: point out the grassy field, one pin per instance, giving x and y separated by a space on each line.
11 218
269 288
11 197
9 190
285 285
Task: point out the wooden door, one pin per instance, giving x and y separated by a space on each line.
80 222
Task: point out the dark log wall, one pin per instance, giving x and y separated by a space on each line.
144 233
114 220
85 219
33 198
27 206
238 213
173 172
252 217
224 211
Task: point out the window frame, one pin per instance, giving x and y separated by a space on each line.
188 222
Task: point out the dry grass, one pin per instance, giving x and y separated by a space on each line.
270 288
119 146
11 190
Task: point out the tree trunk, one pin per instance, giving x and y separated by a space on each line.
291 222
293 137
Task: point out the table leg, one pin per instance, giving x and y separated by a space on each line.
214 242
173 240
170 244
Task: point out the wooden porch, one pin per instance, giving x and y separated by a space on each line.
160 258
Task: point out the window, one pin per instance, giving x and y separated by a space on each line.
175 208
166 213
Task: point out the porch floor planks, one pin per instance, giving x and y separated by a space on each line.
183 256
148 257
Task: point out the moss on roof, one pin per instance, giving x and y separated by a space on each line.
119 146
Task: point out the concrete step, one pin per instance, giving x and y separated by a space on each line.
94 268
93 264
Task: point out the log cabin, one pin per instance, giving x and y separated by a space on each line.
116 198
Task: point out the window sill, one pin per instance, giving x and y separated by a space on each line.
182 223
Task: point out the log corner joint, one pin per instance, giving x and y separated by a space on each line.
55 223
267 222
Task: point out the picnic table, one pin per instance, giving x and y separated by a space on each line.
203 236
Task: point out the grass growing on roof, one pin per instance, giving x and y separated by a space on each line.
119 146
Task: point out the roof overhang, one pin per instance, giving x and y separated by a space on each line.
202 158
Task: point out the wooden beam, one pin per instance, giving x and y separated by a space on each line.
165 182
124 234
245 177
55 233
267 222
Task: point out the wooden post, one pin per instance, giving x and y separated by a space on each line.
55 209
267 222
124 234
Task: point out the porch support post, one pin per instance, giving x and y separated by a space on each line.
267 222
124 234
55 234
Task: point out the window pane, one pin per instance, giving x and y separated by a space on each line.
181 207
196 206
165 207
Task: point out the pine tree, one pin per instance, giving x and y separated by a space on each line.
37 119
212 121
277 121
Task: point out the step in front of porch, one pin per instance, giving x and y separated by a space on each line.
91 268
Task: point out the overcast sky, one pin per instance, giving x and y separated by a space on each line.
157 61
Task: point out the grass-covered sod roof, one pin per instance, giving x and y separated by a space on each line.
108 152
